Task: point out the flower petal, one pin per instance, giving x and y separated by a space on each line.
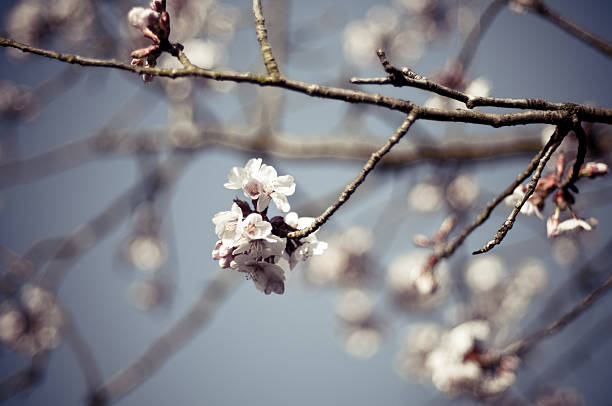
285 185
280 200
235 178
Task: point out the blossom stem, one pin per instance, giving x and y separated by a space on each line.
551 146
352 187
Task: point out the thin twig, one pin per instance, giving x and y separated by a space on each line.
538 7
405 77
551 147
468 50
262 38
166 345
452 246
556 116
352 187
521 346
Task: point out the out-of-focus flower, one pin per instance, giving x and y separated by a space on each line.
555 228
529 208
15 100
360 328
206 54
32 21
451 360
307 246
31 325
462 192
354 305
593 169
425 197
484 273
479 87
565 250
142 18
148 294
260 181
146 252
363 342
560 397
527 281
412 281
346 259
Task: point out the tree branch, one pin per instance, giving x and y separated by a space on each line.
139 370
538 7
352 187
520 347
405 77
262 38
558 116
552 145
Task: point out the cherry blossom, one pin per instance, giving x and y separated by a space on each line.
252 243
228 224
261 182
529 208
142 18
266 276
307 246
254 227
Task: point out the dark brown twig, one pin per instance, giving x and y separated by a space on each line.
550 148
538 7
556 116
352 187
452 246
406 77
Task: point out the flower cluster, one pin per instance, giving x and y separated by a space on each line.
154 23
454 360
254 244
31 324
557 184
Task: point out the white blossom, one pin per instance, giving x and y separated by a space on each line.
228 224
254 227
528 208
260 181
271 246
309 245
142 18
266 276
223 254
567 226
